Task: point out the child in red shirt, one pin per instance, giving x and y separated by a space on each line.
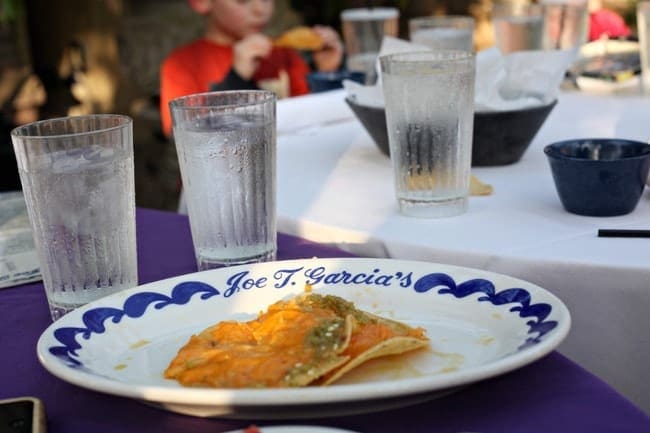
234 54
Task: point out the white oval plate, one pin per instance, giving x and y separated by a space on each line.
296 429
481 325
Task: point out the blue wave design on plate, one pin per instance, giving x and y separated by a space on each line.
518 296
135 306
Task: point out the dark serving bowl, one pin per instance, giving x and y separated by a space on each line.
599 176
500 137
373 120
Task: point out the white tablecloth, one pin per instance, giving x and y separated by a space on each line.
334 186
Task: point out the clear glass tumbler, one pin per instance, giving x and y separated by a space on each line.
363 31
643 29
449 32
430 116
518 27
226 145
548 25
566 25
77 176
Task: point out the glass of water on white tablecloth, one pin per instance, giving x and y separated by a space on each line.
77 175
547 25
566 24
643 28
429 115
363 31
226 145
518 27
448 32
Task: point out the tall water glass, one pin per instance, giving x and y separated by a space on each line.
429 115
450 32
549 25
566 24
363 31
643 28
78 179
226 149
518 27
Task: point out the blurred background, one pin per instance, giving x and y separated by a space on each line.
70 57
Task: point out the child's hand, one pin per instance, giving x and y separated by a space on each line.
329 58
247 52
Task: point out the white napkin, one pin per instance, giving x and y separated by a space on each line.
373 95
520 79
514 81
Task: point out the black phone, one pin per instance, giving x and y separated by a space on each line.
22 415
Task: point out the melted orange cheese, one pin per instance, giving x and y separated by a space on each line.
259 353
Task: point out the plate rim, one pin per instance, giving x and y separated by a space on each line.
294 428
210 397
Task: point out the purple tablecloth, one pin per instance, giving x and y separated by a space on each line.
550 395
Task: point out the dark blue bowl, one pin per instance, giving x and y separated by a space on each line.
599 176
324 81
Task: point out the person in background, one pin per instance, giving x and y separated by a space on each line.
605 22
234 53
22 95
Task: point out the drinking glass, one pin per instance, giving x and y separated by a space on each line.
226 145
77 176
643 28
566 25
518 27
550 25
429 115
363 30
449 32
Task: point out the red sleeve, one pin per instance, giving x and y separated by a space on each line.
175 80
195 67
289 60
298 70
190 69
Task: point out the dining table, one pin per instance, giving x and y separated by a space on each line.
553 393
335 187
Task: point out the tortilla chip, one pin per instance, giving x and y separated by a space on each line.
421 181
309 339
300 38
476 187
373 337
286 346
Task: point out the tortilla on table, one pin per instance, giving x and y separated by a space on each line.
301 38
373 337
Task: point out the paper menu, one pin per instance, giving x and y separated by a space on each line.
18 259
